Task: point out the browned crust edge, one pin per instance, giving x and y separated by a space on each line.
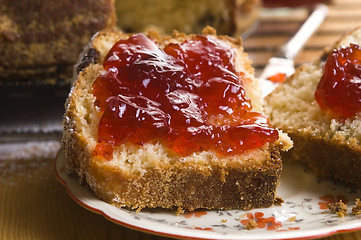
327 157
230 187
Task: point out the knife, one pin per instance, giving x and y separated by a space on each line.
282 62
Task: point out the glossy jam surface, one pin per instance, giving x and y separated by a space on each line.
339 90
186 96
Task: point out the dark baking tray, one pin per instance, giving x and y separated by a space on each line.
32 110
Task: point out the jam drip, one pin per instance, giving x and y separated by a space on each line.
187 96
339 91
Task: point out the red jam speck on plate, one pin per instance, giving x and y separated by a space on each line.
187 96
339 91
277 78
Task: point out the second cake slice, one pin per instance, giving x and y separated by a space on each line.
320 108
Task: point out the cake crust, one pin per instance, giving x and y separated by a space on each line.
328 157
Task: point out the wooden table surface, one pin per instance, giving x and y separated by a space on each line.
34 205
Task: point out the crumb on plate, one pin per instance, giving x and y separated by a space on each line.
356 210
251 224
339 208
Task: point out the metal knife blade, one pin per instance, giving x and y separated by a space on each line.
283 61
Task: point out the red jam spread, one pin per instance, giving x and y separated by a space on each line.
187 96
277 78
339 91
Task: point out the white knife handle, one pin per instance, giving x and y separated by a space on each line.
291 48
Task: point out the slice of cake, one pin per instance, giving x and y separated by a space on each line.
319 107
171 121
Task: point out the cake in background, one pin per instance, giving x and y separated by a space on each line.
295 3
231 17
40 41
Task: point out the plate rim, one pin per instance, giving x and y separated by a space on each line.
326 231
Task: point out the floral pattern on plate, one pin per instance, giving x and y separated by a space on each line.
303 214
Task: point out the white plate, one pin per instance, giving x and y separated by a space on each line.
302 215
